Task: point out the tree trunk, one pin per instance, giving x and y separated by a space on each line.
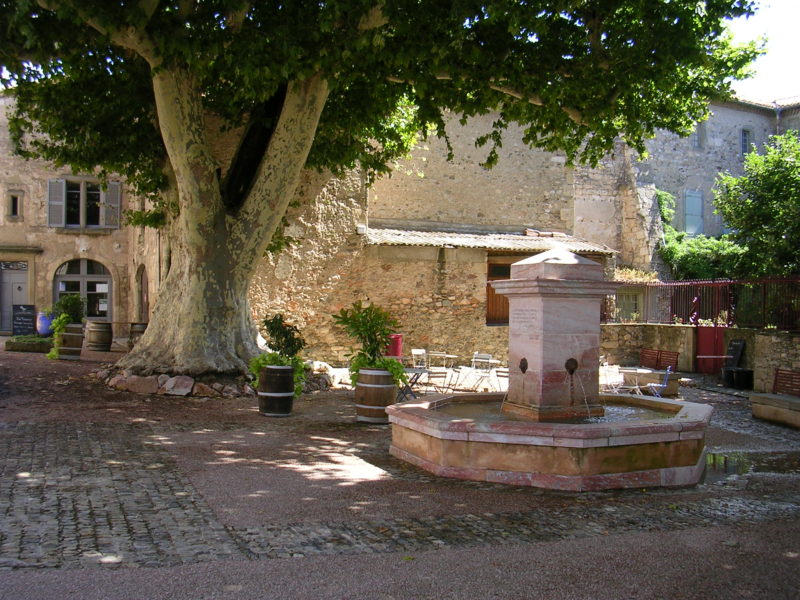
201 321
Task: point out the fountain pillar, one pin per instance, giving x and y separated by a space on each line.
554 335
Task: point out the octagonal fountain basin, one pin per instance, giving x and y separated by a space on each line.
642 441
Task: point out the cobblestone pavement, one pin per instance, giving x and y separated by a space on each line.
72 494
80 494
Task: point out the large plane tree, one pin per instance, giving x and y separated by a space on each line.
132 86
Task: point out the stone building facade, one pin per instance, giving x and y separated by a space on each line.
688 167
60 233
423 243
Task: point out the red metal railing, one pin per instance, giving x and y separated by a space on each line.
758 303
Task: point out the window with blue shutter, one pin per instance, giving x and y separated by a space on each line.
83 204
693 211
56 196
113 197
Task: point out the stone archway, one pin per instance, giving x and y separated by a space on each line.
92 280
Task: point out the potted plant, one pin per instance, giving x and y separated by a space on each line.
374 376
44 322
67 326
280 374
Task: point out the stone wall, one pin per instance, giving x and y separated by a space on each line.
621 343
773 350
526 188
789 119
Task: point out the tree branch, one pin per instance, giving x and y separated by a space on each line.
279 172
573 113
235 19
133 38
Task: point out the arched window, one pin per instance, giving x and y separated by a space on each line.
91 280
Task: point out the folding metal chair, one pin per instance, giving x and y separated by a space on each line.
482 365
657 388
419 358
437 380
501 375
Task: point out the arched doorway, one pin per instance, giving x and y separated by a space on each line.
91 280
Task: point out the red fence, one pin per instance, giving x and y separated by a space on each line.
759 303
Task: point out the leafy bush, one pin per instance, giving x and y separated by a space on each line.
283 338
700 257
372 327
695 257
72 305
59 325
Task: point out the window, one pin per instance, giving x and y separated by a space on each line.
91 280
698 136
693 211
83 204
14 205
629 307
747 141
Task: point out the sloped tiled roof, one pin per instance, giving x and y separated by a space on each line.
533 241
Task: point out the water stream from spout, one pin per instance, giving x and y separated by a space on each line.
585 398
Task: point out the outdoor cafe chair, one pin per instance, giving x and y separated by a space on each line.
419 358
657 388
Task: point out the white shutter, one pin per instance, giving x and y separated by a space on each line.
693 212
113 196
56 196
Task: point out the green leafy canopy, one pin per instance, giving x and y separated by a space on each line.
763 208
575 75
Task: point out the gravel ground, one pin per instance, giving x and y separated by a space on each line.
105 494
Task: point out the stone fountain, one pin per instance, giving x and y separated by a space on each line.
532 436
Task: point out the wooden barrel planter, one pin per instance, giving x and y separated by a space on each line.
137 331
375 391
71 342
98 336
276 390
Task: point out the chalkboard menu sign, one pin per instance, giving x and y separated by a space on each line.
23 319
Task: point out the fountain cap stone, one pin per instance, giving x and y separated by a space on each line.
558 263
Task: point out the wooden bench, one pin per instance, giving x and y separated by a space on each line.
783 404
658 359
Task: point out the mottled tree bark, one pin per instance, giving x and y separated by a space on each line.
202 321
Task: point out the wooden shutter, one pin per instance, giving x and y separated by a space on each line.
56 197
113 196
496 304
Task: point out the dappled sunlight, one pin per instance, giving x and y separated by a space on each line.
346 468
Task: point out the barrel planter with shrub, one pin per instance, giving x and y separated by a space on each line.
276 390
375 390
70 342
68 327
98 336
280 374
